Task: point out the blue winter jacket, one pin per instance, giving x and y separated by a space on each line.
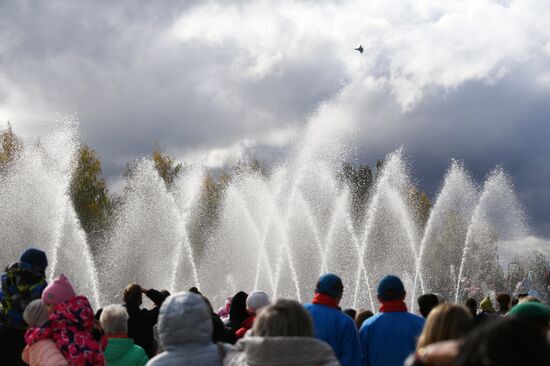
388 338
339 331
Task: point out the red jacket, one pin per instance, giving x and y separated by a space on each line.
245 326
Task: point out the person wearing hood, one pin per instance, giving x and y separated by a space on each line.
330 324
282 335
254 302
388 337
237 314
23 282
70 325
121 350
185 333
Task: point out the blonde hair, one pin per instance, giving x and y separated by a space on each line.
445 322
284 318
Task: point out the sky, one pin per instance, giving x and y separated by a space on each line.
224 80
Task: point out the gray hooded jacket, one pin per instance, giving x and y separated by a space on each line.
185 332
281 351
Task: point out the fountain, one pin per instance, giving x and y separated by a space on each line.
277 233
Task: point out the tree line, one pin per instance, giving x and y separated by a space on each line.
96 206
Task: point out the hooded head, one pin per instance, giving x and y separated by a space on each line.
35 258
256 300
35 313
331 285
486 305
390 288
184 318
60 290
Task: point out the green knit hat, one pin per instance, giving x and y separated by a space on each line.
529 310
487 305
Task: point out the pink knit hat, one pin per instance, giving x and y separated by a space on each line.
60 290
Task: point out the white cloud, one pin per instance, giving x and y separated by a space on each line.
465 79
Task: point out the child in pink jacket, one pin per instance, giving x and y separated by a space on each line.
44 352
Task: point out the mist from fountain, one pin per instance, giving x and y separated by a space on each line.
277 233
36 209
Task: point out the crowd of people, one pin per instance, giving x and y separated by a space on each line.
51 324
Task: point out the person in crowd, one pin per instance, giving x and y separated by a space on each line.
185 333
388 337
487 312
22 283
361 316
445 322
350 312
141 321
331 325
426 303
43 352
223 312
534 313
254 302
219 333
503 301
282 335
121 350
471 304
70 325
505 341
237 314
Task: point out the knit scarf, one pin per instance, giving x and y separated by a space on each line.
393 306
322 299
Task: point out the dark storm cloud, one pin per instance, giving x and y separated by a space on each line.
465 80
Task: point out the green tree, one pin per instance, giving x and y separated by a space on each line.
10 145
166 167
89 193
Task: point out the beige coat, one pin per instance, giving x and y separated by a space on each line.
43 353
281 351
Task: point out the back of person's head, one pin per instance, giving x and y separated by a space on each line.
60 290
114 320
132 295
284 318
486 305
503 301
256 300
471 304
350 312
184 317
445 322
237 311
330 285
534 313
361 316
426 303
35 258
391 288
35 313
505 341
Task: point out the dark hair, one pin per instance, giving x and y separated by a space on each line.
504 341
350 312
237 311
132 295
284 318
471 304
503 299
361 316
426 303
